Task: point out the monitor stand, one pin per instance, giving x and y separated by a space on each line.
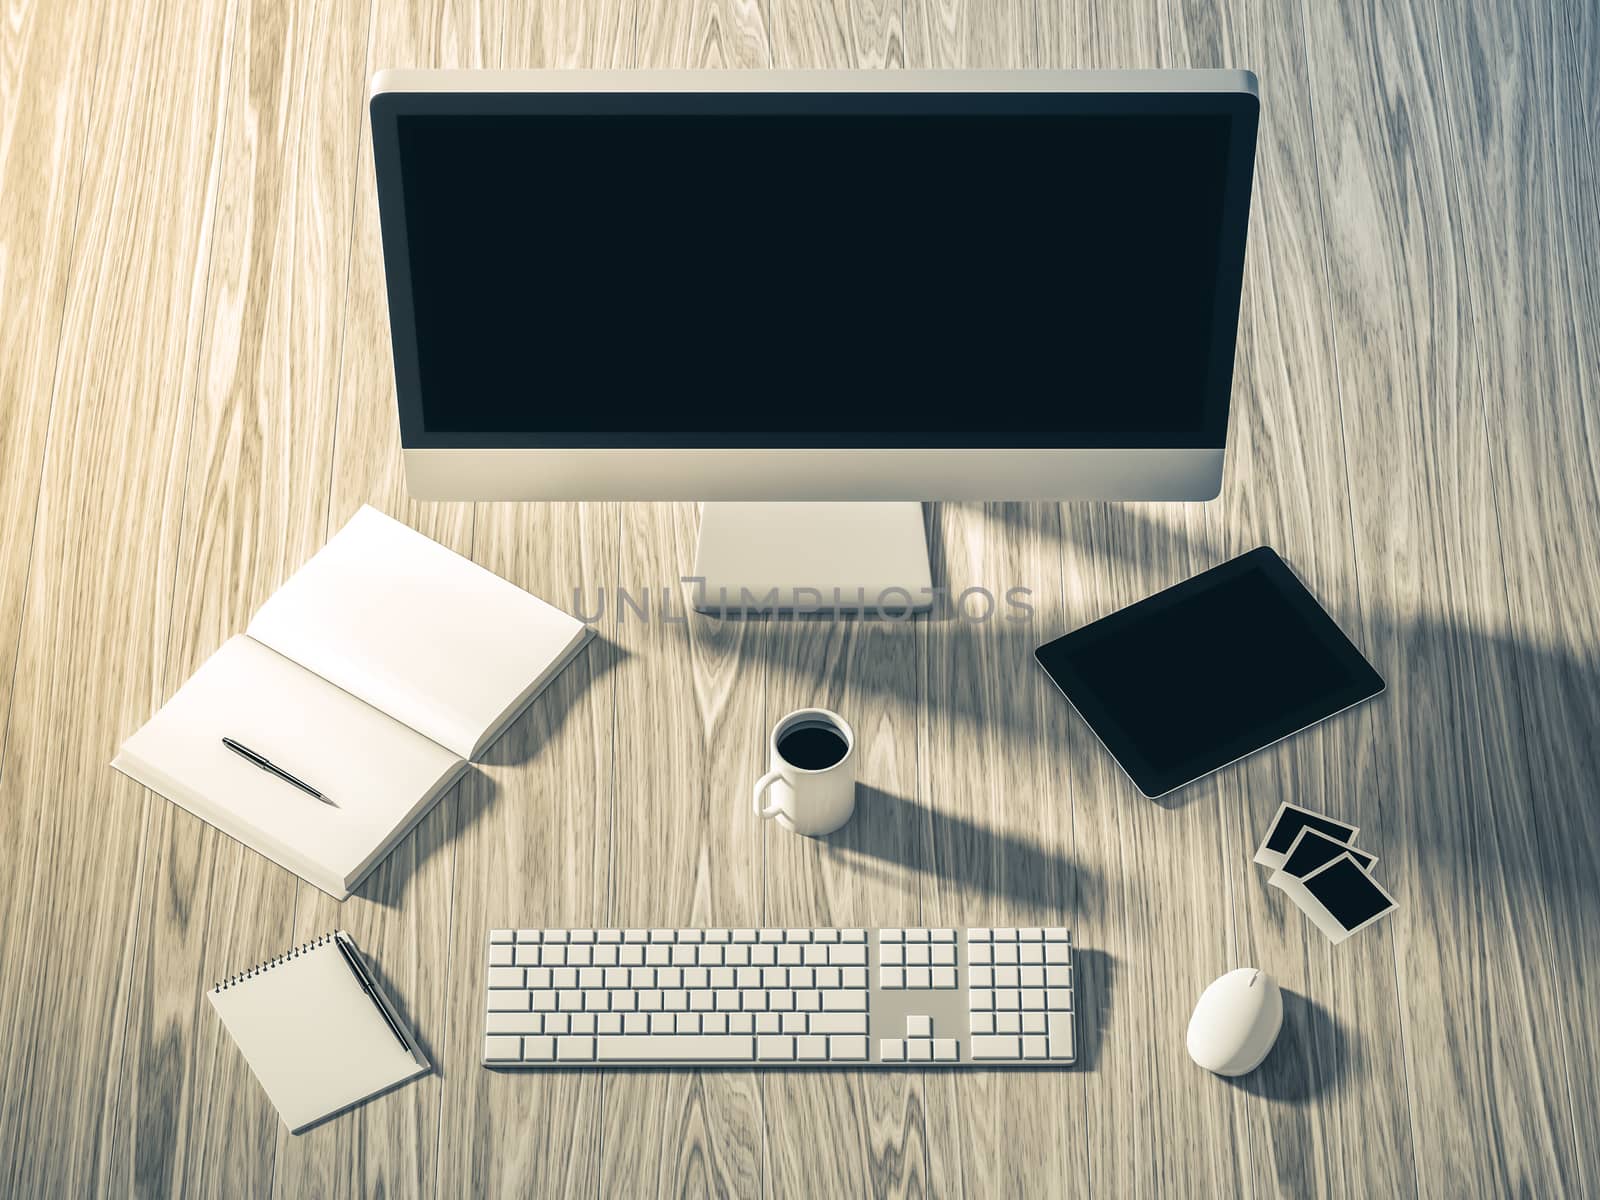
800 557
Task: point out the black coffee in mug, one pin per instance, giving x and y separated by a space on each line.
813 746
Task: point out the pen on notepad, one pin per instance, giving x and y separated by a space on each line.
250 755
354 961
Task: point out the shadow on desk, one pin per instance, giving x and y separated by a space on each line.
1034 883
1308 1061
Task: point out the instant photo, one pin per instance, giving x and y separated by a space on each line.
1340 898
1312 848
1286 827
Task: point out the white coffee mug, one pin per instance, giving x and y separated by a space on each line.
814 799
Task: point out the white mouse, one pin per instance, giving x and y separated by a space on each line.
1236 1022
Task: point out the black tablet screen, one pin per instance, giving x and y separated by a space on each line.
1208 671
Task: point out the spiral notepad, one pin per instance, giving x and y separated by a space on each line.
314 1034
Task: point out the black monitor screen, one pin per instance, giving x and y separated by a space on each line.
822 278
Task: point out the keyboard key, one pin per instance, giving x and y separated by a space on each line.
990 1048
696 977
1030 952
1061 1035
636 1022
741 1022
631 956
1031 977
848 955
684 956
770 935
853 935
825 935
538 1049
890 978
763 956
767 1022
570 1000
608 1022
981 953
1005 935
1008 1022
552 956
635 936
508 1001
942 955
1057 934
775 1047
574 1049
917 956
1031 934
804 977
977 935
581 935
844 1000
526 956
505 977
847 1049
582 1023
1033 1047
919 977
513 1022
793 1022
916 935
744 935
609 935
604 956
1058 999
687 1022
1008 998
942 935
980 977
597 1001
791 956
701 1000
677 1048
502 1049
808 1001
980 999
797 935
718 935
774 977
816 955
715 1022
891 935
891 954
1007 977
1033 998
811 1048
981 1022
853 977
544 1001
689 935
1034 1022
555 935
944 977
826 1022
892 1050
657 956
919 1049
661 935
1058 977
1058 953
1005 952
711 956
919 1027
727 1000
502 956
501 935
557 1023
832 977
944 1050
588 977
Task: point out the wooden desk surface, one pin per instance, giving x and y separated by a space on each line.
195 390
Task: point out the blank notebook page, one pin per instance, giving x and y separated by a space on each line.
313 1037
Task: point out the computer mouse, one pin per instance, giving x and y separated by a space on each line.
1236 1022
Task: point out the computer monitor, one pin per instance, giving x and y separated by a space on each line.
813 286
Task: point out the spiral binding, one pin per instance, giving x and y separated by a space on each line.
263 967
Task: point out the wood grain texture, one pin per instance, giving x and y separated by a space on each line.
196 390
1474 935
92 651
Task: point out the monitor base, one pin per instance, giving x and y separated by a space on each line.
812 557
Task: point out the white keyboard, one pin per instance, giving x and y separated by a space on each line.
817 997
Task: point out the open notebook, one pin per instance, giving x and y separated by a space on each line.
373 675
317 1030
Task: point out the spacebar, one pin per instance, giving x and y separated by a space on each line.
675 1048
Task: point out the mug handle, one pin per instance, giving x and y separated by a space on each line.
762 784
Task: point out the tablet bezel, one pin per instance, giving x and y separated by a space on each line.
1362 680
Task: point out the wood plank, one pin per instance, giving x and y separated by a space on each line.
1285 486
1458 826
254 509
685 847
47 68
533 843
92 654
401 915
1525 205
1157 926
848 1132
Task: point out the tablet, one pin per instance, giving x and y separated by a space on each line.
1208 672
